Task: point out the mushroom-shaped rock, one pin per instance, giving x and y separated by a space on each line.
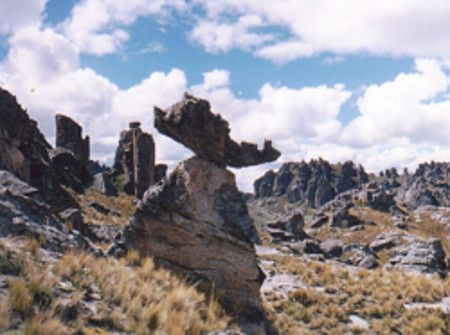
191 122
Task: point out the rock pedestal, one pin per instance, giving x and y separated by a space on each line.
191 221
197 220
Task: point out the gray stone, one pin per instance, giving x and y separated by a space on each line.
102 183
191 122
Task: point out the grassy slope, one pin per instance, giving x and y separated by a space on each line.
333 292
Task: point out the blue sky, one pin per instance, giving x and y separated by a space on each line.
340 79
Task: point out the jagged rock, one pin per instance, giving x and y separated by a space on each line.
307 246
419 256
198 220
160 172
288 227
342 218
68 136
332 248
377 196
359 255
429 185
318 221
73 220
102 182
314 183
68 170
264 185
191 122
135 158
23 212
24 152
386 240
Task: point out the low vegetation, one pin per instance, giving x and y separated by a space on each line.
331 293
81 294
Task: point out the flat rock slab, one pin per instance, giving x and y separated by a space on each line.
191 122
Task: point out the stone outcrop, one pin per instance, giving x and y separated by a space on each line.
24 152
314 183
135 158
287 227
429 185
69 136
70 158
192 123
419 256
198 220
24 212
102 182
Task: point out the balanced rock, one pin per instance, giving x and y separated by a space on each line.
198 220
135 158
192 123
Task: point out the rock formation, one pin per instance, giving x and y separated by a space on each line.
197 220
24 152
68 136
313 183
192 123
135 158
429 185
70 158
287 227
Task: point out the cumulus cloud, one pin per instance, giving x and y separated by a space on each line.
403 107
217 36
20 13
400 28
96 26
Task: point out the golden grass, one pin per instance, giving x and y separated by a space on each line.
141 299
333 293
121 207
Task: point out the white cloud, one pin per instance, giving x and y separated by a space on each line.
20 13
402 108
95 25
218 37
394 28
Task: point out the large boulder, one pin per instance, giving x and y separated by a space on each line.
197 220
419 256
288 227
192 123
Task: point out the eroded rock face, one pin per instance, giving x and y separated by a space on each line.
68 136
24 212
135 158
24 152
198 220
288 227
314 183
192 123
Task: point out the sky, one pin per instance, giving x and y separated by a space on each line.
357 80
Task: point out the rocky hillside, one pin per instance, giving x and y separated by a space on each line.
320 248
338 242
88 249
